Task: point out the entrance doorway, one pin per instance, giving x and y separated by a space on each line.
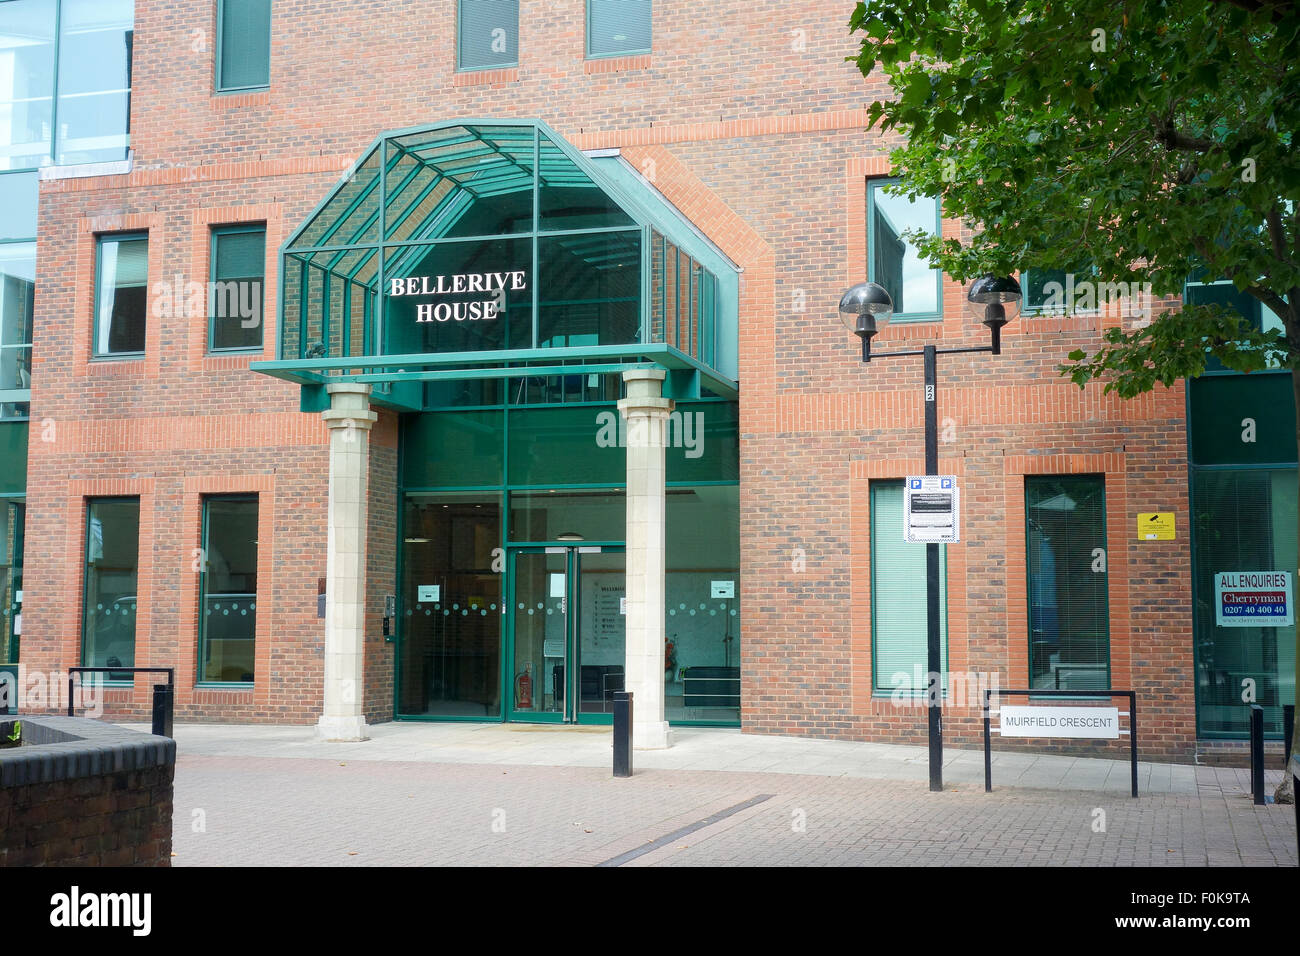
567 632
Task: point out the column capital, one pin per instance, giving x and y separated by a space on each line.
645 391
349 406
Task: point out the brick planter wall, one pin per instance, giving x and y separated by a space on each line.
88 794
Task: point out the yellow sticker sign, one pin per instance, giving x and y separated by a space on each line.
1156 527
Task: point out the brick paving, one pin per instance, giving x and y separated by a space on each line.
305 811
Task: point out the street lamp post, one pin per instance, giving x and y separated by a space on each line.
994 301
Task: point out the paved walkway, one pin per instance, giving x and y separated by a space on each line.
500 794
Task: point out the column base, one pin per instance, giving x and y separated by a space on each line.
342 729
651 736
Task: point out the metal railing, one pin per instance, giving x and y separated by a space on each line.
164 695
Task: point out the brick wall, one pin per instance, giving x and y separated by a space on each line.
80 793
748 119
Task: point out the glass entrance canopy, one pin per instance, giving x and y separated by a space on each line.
494 249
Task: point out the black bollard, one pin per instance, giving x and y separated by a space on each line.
162 710
622 733
1257 753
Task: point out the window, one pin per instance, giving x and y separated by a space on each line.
94 81
228 590
235 300
618 27
1065 550
65 68
27 52
893 260
121 294
112 570
487 34
243 45
17 297
13 520
898 598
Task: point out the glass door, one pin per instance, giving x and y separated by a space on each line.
567 637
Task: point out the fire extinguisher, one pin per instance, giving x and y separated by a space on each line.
670 656
524 689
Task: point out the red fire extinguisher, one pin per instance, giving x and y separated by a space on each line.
524 689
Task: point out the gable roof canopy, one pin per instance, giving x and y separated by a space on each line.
488 248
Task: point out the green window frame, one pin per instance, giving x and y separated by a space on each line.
1067 584
227 640
133 306
243 55
899 635
880 255
238 284
631 19
476 42
111 578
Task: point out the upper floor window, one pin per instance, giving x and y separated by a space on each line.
121 294
238 277
93 111
893 260
65 81
487 34
243 45
618 27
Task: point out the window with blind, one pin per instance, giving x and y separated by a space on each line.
487 34
236 295
618 27
121 294
898 599
243 45
1065 551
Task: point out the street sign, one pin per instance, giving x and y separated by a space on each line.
1253 599
1091 723
931 509
1156 526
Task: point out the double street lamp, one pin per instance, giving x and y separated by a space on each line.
995 302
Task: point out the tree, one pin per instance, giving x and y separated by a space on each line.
1151 139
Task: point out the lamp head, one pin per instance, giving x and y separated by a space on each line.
994 300
863 306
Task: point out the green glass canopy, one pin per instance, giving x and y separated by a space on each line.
494 249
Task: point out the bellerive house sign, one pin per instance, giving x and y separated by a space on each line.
494 283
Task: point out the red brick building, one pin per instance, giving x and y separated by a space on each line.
740 136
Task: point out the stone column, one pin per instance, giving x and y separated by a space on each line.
646 411
349 420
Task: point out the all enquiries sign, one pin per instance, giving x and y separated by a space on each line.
1253 599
